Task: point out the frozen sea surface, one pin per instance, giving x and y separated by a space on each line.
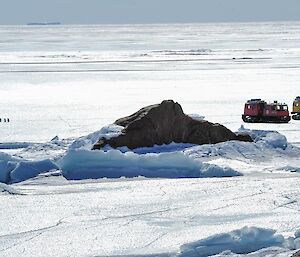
72 80
69 81
108 218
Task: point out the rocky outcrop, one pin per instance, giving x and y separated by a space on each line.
165 123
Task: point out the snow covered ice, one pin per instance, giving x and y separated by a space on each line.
163 217
85 164
67 83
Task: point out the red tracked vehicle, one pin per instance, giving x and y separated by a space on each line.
257 110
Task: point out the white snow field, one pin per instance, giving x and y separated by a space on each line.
60 87
229 198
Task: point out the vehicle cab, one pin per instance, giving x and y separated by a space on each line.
296 105
254 107
296 109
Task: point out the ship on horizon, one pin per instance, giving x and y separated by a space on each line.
43 23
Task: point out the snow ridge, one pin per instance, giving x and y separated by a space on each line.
84 164
167 161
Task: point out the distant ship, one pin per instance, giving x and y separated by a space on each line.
43 23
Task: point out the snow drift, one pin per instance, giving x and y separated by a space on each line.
77 161
4 188
254 240
87 142
19 170
266 145
29 169
84 164
240 241
268 137
6 166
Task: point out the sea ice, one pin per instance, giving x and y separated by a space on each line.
165 161
210 68
87 142
29 169
272 138
240 241
84 164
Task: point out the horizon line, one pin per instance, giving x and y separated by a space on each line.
143 23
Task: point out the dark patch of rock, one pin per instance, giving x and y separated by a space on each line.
165 123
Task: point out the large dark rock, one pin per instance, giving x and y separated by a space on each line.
165 123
